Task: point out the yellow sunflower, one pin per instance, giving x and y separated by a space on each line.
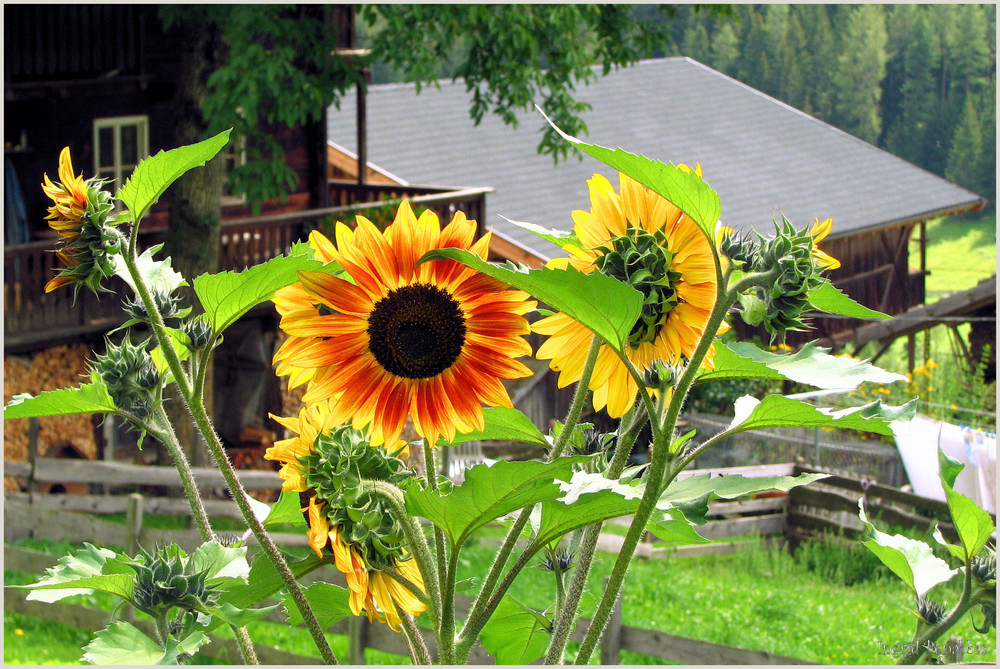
69 197
641 238
306 469
394 339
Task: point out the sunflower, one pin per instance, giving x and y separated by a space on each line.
641 238
365 543
394 338
69 197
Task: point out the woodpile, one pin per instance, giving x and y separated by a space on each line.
50 369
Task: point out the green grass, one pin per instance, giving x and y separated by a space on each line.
960 252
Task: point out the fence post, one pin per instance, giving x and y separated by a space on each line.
357 639
611 643
133 521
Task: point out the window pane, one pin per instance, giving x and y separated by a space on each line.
106 147
130 144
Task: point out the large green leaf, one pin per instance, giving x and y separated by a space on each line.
88 398
82 572
154 175
226 296
686 190
122 643
516 634
911 560
560 238
220 561
502 424
973 525
329 602
811 364
777 411
832 300
263 580
489 491
605 305
673 527
286 511
158 275
586 499
692 494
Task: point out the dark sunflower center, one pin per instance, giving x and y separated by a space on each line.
416 331
642 260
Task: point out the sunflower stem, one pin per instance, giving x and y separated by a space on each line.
567 615
430 469
421 552
660 460
196 406
418 649
579 397
446 636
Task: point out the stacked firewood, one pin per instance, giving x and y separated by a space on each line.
50 369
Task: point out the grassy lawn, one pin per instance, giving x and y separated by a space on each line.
960 252
759 599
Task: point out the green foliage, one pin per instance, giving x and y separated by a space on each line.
840 561
87 398
122 643
502 424
330 602
516 634
607 306
154 175
832 300
780 411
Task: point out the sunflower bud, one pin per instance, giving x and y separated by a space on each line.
164 580
594 442
930 612
740 249
559 561
199 332
130 376
984 567
165 303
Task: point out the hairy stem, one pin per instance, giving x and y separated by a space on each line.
169 439
418 649
579 396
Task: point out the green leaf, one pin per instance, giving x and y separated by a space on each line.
776 411
122 643
605 305
264 580
585 499
158 275
560 238
192 642
154 175
88 398
973 524
489 491
228 295
286 511
502 424
691 495
238 617
686 190
179 341
516 634
912 561
82 572
331 604
832 300
948 467
811 364
220 561
673 527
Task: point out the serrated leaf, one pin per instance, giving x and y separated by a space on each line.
777 411
154 175
691 495
220 561
811 365
912 561
673 527
586 499
82 572
237 617
226 296
515 634
158 275
605 305
192 642
948 467
330 603
686 190
122 643
832 300
973 525
561 238
88 398
263 580
286 511
488 493
502 424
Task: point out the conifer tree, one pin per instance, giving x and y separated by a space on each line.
859 71
965 159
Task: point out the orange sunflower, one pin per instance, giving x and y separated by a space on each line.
69 197
641 238
364 550
393 339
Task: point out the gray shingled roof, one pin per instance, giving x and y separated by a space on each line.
762 156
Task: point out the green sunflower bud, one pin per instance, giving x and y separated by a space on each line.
930 612
559 561
341 459
984 567
164 580
130 376
198 331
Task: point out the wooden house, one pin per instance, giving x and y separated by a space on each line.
763 157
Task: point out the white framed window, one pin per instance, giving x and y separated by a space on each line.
119 144
236 156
